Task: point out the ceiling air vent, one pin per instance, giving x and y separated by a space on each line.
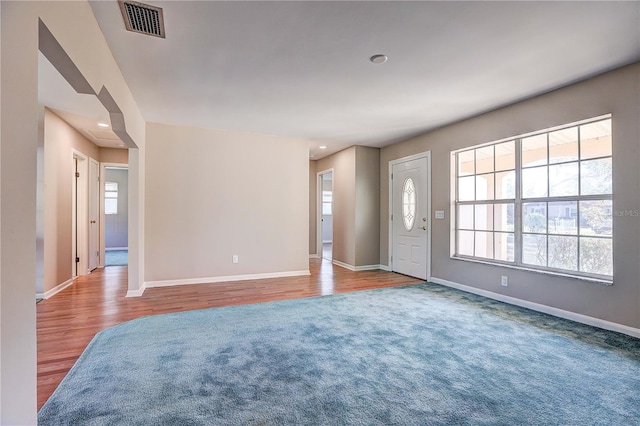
142 18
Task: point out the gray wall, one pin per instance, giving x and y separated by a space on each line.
367 205
344 195
616 92
356 201
116 232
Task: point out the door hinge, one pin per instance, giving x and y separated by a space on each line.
391 218
77 260
98 253
77 174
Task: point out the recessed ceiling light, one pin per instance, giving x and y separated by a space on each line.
378 59
103 125
322 147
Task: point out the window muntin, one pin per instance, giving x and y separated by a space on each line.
560 184
408 204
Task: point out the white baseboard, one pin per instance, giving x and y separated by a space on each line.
116 248
136 293
584 319
314 256
57 289
357 268
227 278
384 268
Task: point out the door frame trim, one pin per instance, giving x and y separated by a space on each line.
319 209
427 155
103 176
80 215
90 253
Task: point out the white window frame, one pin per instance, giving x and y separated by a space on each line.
109 195
519 201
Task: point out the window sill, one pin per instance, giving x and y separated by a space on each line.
591 280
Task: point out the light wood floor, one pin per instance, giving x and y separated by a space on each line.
68 321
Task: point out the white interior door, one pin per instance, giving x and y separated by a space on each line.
410 227
94 209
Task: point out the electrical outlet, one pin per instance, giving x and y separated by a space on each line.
505 281
234 259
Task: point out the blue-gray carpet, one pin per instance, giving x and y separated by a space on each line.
116 257
414 355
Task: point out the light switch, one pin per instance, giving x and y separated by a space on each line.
439 214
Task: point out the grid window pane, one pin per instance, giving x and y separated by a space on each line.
596 255
484 217
466 163
505 156
505 185
504 246
534 217
484 245
111 186
595 139
111 206
534 150
503 217
563 252
484 159
465 216
466 188
563 145
596 177
563 180
534 250
534 182
465 243
596 217
563 218
484 187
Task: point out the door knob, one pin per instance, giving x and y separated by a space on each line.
93 221
424 228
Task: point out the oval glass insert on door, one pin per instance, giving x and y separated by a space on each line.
409 204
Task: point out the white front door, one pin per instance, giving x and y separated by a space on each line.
410 227
94 209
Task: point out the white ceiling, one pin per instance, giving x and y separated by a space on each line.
302 69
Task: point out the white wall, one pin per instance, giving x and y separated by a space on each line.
75 27
214 194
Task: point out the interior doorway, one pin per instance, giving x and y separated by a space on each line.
325 225
116 215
